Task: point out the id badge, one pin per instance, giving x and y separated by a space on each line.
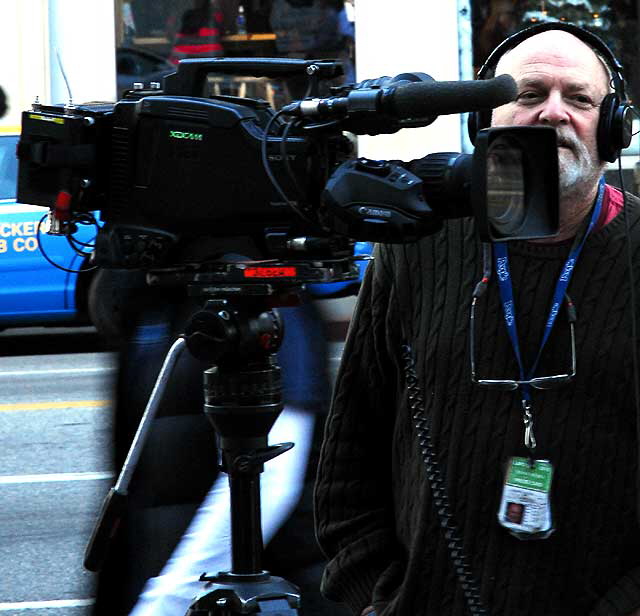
525 506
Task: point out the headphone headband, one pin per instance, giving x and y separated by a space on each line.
592 40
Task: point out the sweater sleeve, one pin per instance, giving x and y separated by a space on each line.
622 598
353 499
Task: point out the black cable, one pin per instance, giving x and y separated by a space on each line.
437 484
75 244
43 252
269 172
632 300
285 160
323 125
86 218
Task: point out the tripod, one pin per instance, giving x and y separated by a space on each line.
242 391
242 400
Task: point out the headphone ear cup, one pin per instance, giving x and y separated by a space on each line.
606 149
615 127
622 127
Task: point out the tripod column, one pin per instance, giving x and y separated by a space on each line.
243 402
246 530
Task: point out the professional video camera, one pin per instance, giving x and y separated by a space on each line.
182 178
242 205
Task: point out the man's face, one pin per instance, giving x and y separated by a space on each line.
515 512
561 83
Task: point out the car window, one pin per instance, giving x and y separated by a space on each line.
8 166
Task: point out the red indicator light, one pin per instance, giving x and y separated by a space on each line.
270 272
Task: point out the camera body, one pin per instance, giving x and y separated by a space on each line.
179 178
165 172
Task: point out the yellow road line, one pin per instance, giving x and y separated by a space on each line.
46 406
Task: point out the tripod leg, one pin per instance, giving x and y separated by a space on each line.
131 461
114 503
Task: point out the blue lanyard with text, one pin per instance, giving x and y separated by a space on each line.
508 306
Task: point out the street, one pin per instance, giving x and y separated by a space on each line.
55 416
55 422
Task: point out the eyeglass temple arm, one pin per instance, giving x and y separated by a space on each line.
572 316
481 287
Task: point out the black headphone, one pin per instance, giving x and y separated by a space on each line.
615 126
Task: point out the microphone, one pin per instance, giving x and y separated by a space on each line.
415 100
406 101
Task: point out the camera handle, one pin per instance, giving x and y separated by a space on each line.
190 77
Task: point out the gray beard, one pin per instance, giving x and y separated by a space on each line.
579 172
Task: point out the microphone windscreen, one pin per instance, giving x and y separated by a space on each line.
416 100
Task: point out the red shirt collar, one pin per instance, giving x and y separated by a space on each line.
612 204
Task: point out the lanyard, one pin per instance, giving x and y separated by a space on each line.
508 306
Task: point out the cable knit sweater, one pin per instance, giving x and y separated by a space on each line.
375 517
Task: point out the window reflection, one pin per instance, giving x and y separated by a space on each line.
615 21
154 35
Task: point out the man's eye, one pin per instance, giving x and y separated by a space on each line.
582 100
529 96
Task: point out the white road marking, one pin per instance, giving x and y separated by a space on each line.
47 478
59 371
43 605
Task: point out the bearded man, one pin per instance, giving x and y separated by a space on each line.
525 382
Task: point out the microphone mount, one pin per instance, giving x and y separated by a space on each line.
415 99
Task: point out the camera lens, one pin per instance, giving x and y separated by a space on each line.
505 186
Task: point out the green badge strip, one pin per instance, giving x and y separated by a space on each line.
537 478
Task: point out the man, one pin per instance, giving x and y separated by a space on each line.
375 512
556 89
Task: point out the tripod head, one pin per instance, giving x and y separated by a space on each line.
243 389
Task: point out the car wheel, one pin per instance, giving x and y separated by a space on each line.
110 292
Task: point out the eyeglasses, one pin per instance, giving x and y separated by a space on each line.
540 382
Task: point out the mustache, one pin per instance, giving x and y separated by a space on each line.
567 139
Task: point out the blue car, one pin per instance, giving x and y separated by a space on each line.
33 291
